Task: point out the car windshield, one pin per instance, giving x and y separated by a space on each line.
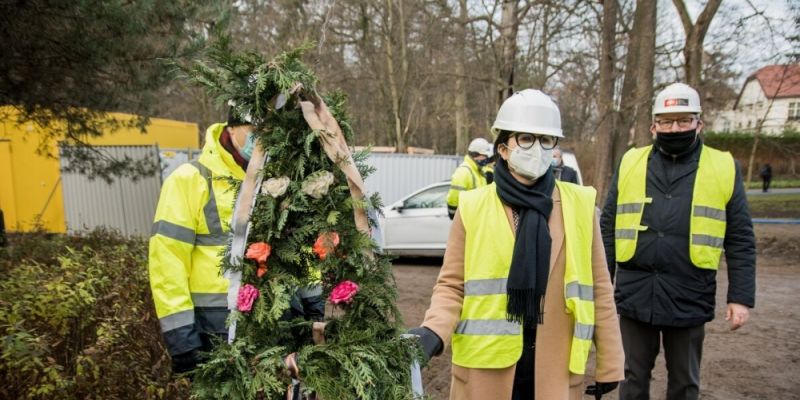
432 198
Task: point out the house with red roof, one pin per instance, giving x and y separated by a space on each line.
770 96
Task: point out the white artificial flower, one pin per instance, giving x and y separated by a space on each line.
275 186
317 184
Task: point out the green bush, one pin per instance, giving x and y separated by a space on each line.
77 320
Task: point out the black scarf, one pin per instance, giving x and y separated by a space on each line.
530 264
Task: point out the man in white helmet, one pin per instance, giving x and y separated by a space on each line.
671 210
471 174
523 292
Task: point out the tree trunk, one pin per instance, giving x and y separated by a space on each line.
630 100
391 71
644 76
695 36
605 101
461 113
508 41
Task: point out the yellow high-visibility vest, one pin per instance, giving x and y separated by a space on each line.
190 229
713 188
466 177
483 337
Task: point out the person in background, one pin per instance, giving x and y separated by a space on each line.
672 209
766 177
524 292
561 171
470 174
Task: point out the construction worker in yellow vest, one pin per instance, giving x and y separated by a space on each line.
524 290
190 230
471 174
672 208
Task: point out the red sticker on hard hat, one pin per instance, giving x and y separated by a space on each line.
676 102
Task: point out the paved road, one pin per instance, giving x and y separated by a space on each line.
758 192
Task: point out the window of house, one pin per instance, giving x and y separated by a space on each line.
794 110
749 123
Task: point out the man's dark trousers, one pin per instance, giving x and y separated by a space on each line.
683 349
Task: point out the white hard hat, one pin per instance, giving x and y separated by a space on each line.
529 111
677 98
481 146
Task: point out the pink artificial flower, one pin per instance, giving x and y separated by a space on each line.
247 296
343 292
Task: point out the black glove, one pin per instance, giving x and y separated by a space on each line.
186 362
430 341
601 388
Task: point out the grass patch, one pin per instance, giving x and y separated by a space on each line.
776 183
778 205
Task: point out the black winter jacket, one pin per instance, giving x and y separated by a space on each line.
660 285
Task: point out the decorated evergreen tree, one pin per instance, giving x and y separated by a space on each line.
307 226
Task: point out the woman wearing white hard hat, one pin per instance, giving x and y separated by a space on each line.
524 291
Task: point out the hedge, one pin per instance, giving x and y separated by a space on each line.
77 320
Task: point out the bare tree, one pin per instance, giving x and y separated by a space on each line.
637 87
644 75
509 25
461 112
695 36
605 100
511 16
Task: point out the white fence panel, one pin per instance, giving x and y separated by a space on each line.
400 174
124 205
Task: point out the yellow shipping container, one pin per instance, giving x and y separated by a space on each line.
30 183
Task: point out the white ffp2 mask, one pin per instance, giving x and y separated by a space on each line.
531 163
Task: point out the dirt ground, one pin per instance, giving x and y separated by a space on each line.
759 361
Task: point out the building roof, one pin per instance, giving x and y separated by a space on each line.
777 81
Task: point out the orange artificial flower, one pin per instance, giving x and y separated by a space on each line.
259 252
326 242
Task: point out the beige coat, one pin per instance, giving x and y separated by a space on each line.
552 376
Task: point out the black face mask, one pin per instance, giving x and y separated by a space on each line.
675 143
482 163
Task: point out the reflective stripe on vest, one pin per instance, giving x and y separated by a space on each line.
483 337
713 188
215 237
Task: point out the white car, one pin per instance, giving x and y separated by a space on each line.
417 225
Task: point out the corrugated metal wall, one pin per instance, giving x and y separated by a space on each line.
124 205
171 159
129 206
400 174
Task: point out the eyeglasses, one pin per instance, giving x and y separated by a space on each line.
526 140
685 122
